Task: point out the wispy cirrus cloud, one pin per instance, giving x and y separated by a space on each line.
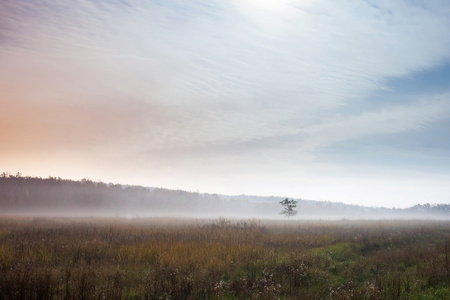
238 83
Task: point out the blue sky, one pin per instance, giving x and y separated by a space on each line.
328 100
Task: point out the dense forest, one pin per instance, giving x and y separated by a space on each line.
55 196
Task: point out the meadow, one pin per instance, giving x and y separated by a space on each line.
86 258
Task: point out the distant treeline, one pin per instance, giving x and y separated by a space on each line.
53 195
19 194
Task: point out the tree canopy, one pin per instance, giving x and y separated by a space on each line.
289 207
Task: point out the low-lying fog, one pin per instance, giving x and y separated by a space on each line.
58 197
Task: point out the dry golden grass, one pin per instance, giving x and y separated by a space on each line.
222 259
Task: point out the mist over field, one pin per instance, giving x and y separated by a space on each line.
225 149
29 196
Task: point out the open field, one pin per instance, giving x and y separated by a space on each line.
222 259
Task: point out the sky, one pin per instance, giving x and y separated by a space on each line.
337 100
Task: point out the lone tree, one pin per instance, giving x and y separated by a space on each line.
289 207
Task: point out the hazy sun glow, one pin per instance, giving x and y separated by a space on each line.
278 6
